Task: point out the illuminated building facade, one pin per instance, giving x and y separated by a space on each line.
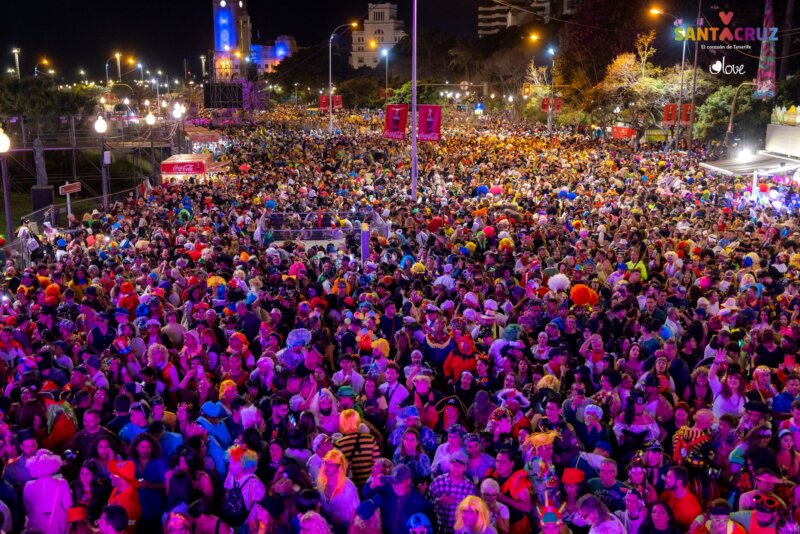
235 55
381 30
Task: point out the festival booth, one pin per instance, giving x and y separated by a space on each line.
774 170
183 166
204 140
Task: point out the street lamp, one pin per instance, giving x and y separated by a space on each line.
36 70
83 76
330 71
177 111
552 53
16 52
141 70
151 121
100 126
119 66
5 145
678 23
385 54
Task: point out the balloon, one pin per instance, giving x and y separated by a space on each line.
496 190
562 194
488 231
481 190
763 188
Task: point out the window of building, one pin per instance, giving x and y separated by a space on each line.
378 15
379 32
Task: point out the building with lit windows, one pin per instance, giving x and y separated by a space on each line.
380 30
494 17
235 56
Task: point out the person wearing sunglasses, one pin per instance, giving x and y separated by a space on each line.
765 516
766 481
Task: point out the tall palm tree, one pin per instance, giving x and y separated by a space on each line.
464 56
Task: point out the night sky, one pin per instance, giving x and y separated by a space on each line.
77 34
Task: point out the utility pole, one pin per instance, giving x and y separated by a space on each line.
694 76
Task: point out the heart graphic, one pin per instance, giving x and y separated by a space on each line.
726 17
716 67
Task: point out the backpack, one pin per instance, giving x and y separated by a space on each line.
234 511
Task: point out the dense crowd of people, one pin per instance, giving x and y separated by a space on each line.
560 334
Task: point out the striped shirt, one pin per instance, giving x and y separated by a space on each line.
362 451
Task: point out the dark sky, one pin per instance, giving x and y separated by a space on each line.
77 34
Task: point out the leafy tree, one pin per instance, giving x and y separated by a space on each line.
426 94
711 119
360 92
637 97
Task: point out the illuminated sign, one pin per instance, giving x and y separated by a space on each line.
224 29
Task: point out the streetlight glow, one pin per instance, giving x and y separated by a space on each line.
150 119
534 37
656 11
100 125
5 142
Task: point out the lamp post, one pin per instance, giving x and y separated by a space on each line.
385 54
151 122
141 70
177 112
552 53
330 72
119 66
36 70
677 22
414 167
5 145
16 52
694 77
296 102
100 126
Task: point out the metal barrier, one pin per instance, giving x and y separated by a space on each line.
56 217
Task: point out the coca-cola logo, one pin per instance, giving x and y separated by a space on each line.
185 167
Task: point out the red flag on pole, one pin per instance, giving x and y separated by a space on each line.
558 105
394 124
323 102
337 102
686 114
670 114
546 104
429 123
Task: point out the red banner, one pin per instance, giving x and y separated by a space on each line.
394 125
337 102
429 123
670 114
622 132
323 102
686 113
558 105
